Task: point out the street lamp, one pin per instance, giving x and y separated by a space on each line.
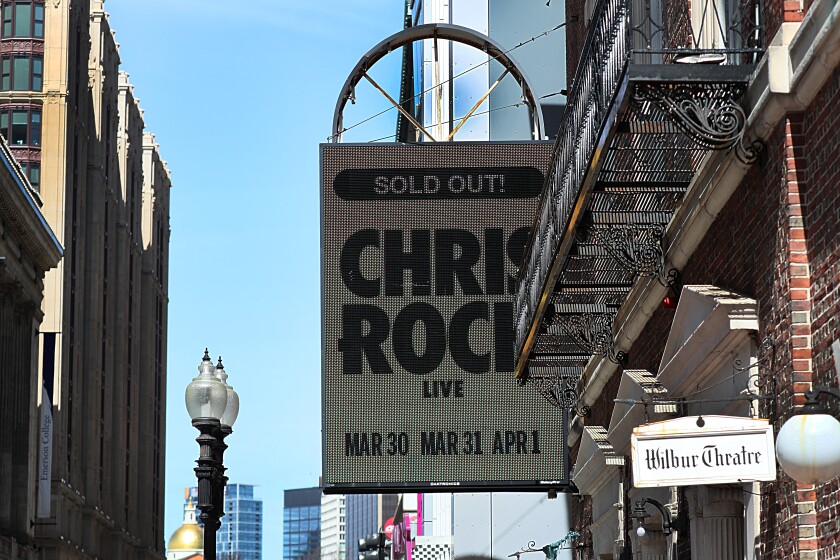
213 406
808 445
639 515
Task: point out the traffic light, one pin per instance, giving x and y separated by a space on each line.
369 546
374 547
385 549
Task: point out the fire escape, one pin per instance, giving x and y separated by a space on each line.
658 86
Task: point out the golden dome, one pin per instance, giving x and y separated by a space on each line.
187 537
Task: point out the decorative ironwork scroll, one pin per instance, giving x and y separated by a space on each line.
561 392
758 382
635 247
671 280
708 113
550 550
591 332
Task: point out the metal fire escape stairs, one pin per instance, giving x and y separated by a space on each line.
658 86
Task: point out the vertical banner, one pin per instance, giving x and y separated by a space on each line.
46 429
420 248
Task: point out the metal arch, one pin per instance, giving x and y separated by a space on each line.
446 32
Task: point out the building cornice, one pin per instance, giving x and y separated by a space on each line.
23 217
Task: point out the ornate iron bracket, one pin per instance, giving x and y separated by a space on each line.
763 365
550 550
672 280
561 392
710 116
591 332
641 249
635 247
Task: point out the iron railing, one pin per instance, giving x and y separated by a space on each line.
710 31
621 33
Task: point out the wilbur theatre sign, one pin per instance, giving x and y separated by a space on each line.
420 247
697 450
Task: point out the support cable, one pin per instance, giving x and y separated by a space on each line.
415 96
512 105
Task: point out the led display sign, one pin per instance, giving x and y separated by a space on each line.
420 247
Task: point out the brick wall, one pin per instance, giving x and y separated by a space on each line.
778 11
778 241
821 141
740 253
576 29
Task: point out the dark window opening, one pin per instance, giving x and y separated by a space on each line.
21 126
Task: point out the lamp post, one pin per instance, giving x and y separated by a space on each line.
639 515
669 524
213 406
808 445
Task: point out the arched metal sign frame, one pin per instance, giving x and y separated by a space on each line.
446 32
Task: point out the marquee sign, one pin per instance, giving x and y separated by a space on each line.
702 450
420 245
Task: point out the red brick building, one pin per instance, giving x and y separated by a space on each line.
700 164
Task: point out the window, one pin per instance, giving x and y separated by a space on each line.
22 72
32 170
7 20
21 126
23 18
37 73
38 21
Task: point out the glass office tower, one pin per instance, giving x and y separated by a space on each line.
240 536
302 524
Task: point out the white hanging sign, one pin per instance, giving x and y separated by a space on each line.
696 450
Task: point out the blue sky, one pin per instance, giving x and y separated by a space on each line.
239 95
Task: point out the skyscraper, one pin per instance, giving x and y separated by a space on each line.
240 536
302 524
332 527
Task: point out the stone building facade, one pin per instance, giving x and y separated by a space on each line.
28 248
74 124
